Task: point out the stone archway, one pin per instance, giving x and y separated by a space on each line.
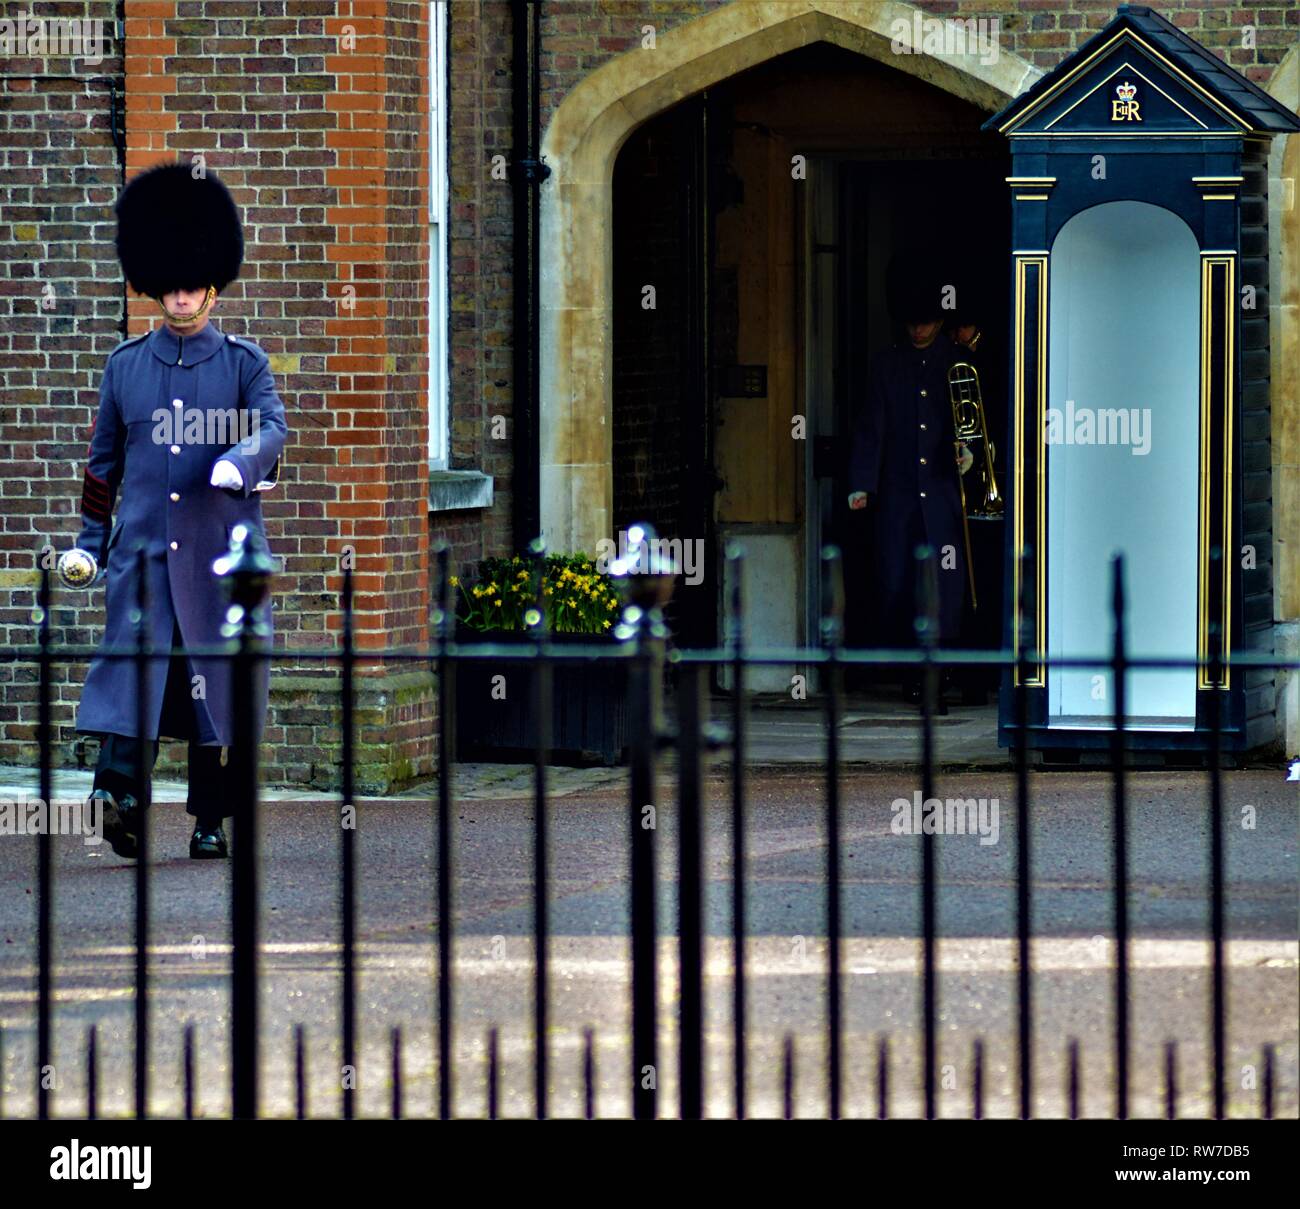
581 144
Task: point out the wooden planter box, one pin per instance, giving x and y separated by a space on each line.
588 706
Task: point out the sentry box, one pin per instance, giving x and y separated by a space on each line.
1139 417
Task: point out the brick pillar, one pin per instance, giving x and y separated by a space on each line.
60 316
378 175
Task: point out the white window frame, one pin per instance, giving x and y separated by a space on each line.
439 310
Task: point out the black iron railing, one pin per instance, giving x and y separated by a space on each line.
646 656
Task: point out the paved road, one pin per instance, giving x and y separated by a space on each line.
1073 890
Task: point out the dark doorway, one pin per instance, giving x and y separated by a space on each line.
663 467
713 336
952 214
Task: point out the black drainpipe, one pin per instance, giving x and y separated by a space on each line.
527 174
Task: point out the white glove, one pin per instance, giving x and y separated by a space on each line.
226 474
965 459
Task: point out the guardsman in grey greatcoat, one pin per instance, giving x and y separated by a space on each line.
904 464
189 431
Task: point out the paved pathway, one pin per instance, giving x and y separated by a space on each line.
589 984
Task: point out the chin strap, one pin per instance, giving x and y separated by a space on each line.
189 320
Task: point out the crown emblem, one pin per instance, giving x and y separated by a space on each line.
1126 91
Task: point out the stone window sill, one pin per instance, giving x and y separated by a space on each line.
457 490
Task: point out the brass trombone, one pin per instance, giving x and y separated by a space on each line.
971 430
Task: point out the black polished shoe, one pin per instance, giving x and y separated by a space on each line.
208 843
121 822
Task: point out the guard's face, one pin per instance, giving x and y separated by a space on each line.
184 302
922 334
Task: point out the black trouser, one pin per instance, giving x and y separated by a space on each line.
214 772
212 784
902 611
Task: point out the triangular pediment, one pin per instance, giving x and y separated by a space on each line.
1141 76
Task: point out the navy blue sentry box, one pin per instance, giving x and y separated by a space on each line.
1139 414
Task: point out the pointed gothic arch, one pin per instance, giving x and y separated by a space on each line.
581 144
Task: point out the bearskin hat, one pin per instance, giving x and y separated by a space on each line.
914 286
176 231
919 296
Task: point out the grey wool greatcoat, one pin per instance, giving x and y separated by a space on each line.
904 455
169 407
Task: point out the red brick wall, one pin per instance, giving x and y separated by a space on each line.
479 268
579 35
403 497
61 314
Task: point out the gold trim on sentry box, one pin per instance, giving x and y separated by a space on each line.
1023 262
1210 263
1102 84
1101 50
1217 182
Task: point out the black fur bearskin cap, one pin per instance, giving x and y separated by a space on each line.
920 298
176 231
